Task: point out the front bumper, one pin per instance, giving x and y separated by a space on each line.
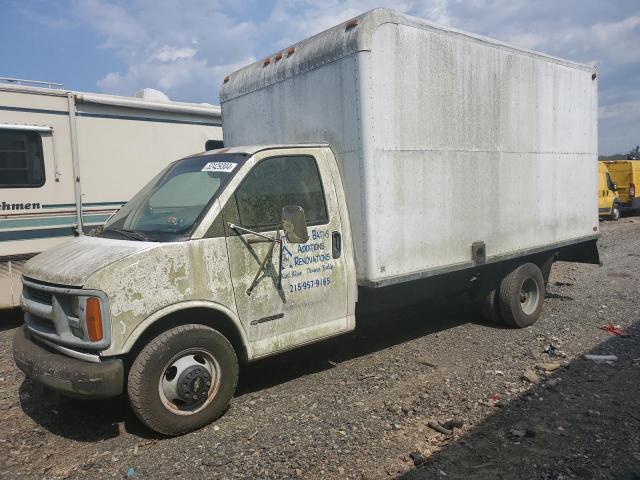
634 204
65 374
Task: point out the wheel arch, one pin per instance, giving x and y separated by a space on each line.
199 312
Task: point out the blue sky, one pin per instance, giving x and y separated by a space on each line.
185 48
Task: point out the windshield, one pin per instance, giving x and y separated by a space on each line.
170 205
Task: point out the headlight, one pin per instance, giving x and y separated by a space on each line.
93 319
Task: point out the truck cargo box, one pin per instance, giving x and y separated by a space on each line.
445 139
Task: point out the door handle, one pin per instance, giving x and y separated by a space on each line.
336 244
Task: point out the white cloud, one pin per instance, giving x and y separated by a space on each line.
620 111
172 54
298 19
610 44
113 21
186 48
529 40
196 77
436 11
163 44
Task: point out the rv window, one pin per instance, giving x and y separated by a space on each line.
276 182
21 162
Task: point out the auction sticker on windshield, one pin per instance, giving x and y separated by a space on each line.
219 167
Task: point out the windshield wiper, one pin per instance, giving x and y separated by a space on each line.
133 234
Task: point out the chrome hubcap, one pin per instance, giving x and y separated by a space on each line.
189 382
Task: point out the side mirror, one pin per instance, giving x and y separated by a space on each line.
294 224
614 187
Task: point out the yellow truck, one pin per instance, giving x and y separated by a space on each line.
626 175
608 201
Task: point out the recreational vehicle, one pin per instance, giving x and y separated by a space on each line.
68 160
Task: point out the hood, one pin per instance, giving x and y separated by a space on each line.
73 262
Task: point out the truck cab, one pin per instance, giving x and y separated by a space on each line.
234 254
608 201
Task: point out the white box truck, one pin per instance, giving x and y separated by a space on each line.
383 153
68 160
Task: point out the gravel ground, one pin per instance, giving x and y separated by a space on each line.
359 406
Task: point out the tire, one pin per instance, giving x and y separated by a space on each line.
490 309
615 213
180 363
521 296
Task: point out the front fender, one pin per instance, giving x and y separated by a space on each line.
150 320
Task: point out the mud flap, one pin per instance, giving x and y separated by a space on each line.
584 252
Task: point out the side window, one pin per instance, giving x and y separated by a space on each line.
610 183
21 162
276 182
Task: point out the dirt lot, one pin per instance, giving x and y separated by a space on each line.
359 406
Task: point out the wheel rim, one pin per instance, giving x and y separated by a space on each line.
189 382
529 296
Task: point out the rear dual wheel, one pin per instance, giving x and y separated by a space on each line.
518 300
521 296
490 309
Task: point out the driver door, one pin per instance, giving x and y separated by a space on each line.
311 302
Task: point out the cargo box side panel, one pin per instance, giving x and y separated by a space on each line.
473 142
319 105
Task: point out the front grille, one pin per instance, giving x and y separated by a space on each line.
39 296
40 324
53 312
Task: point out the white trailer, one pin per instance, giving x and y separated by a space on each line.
434 161
68 160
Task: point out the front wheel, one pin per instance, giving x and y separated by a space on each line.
521 296
615 213
183 379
